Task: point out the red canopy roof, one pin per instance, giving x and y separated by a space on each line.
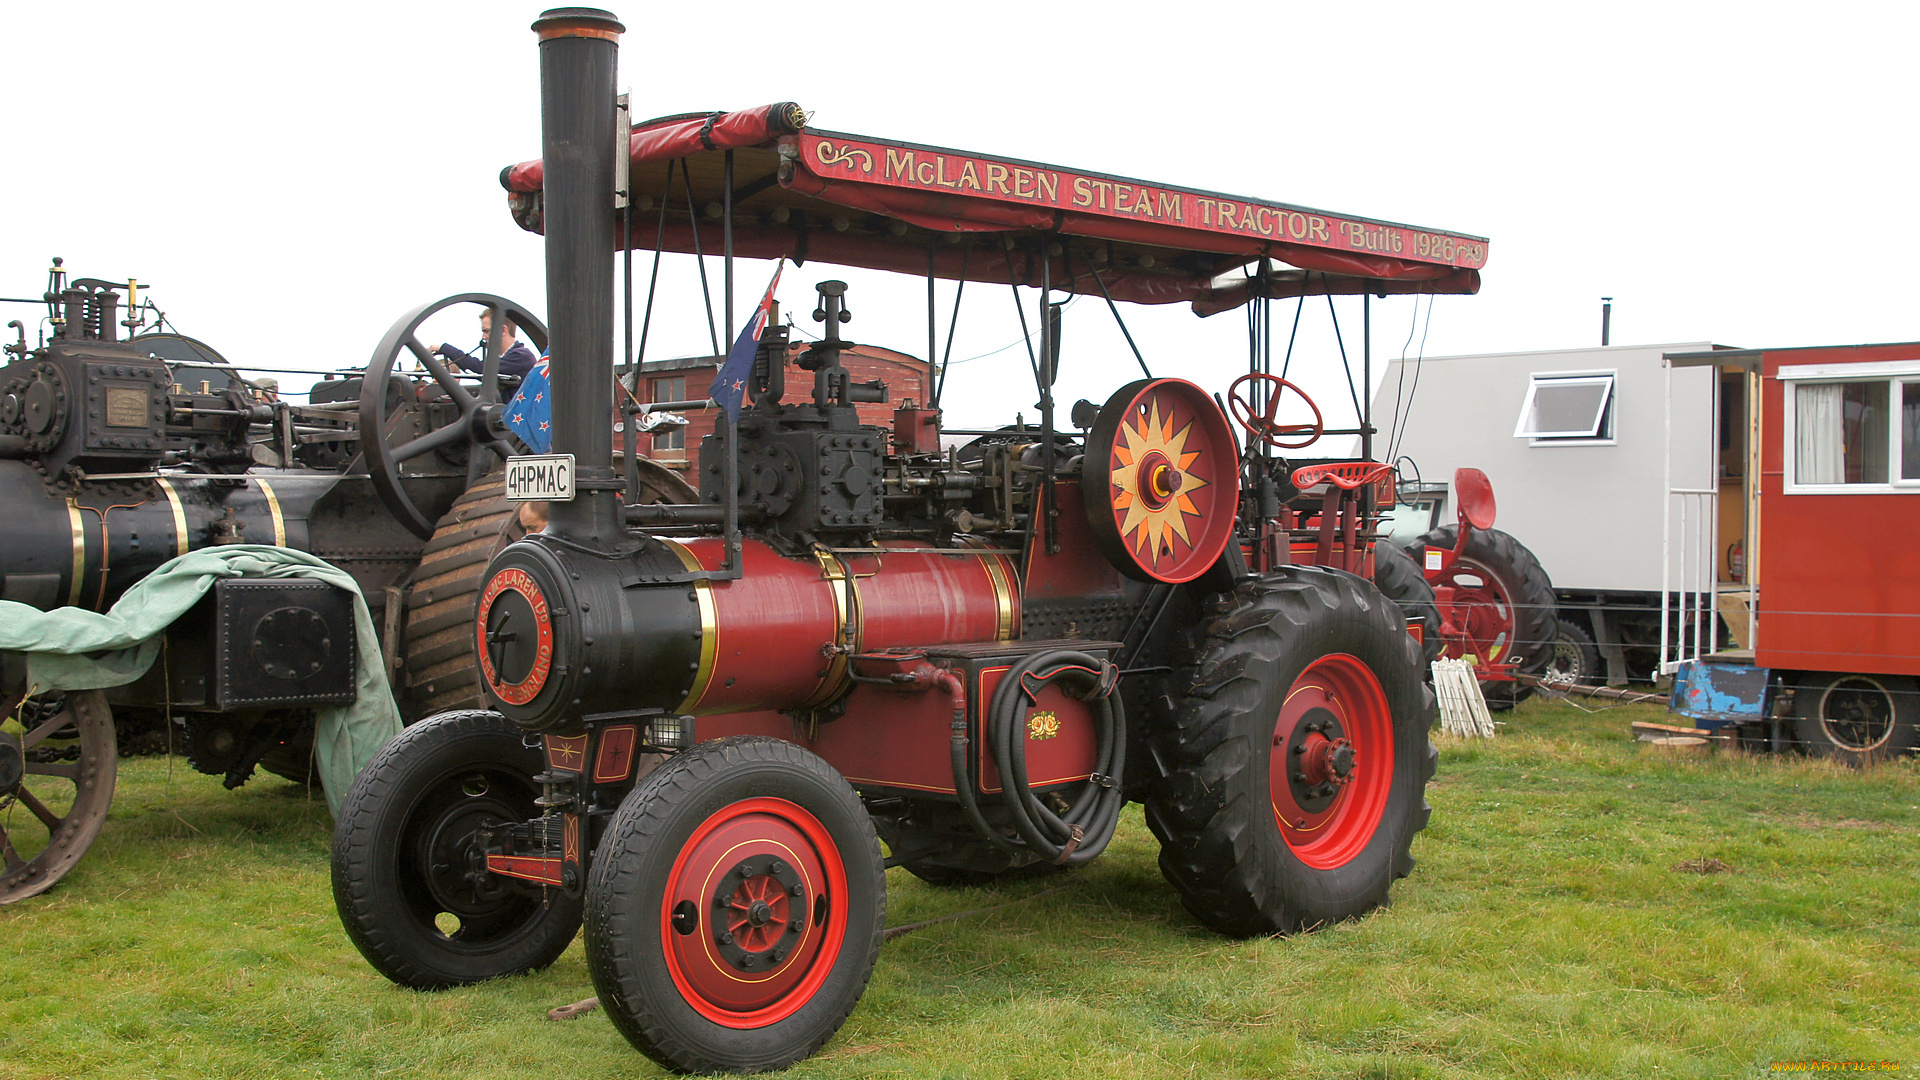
885 205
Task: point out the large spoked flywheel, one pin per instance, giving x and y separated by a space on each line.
474 433
1164 457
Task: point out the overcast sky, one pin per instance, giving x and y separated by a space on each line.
291 178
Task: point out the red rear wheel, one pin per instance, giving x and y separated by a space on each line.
1332 762
1297 756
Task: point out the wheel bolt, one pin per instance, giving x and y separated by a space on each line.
1298 750
793 890
776 867
744 871
723 938
797 925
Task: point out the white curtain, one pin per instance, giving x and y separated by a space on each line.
1818 440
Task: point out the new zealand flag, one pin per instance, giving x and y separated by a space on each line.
730 385
530 413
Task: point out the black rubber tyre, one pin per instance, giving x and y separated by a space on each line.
1401 579
1573 658
1513 610
735 907
1857 719
404 860
1300 647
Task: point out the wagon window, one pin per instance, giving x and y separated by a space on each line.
1840 432
1910 431
1560 408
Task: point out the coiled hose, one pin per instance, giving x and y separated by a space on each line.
1085 828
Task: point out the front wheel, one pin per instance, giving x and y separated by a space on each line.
735 907
409 862
1299 754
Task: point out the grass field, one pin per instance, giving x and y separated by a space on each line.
1552 929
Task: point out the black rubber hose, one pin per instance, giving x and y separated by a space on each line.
1095 811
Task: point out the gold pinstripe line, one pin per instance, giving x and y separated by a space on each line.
273 507
181 544
709 629
79 551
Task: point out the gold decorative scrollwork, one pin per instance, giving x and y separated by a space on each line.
852 157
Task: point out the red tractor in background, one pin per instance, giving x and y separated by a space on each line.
860 634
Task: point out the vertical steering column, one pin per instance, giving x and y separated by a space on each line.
579 51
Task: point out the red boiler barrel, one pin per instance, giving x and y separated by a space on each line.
779 636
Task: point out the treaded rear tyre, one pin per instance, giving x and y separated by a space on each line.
1401 579
436 644
735 907
1300 646
404 860
1510 587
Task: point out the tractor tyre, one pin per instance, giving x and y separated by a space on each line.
1574 658
409 874
437 644
1510 610
1401 579
1298 755
735 907
1856 719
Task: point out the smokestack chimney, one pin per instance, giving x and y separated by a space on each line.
579 53
1606 321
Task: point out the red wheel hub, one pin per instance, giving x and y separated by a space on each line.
1480 613
754 913
1331 763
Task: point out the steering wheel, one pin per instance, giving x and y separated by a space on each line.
477 430
1259 421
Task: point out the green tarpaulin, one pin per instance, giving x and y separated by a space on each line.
74 649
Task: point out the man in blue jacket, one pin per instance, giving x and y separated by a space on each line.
516 359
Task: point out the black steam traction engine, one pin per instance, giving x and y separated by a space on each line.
861 634
119 451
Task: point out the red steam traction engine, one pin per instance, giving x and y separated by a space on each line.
975 655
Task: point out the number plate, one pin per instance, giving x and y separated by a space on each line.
540 478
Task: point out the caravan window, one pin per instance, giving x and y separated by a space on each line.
1852 435
1910 431
1565 407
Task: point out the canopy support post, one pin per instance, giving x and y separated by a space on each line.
953 323
933 372
730 476
1049 361
1366 375
1111 306
699 256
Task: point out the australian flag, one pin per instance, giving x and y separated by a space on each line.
730 385
530 413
